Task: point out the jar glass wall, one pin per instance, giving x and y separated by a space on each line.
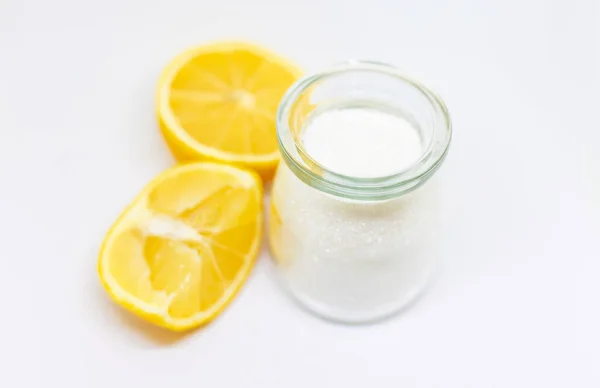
352 222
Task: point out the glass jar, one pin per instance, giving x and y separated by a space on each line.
354 246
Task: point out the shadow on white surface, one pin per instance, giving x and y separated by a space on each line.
138 327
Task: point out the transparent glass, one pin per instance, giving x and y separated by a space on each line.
349 248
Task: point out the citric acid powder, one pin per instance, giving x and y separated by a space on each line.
350 260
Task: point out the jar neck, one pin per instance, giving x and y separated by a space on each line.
313 94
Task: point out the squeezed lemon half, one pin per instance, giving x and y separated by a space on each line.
185 246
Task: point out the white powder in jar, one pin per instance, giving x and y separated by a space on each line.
353 260
362 142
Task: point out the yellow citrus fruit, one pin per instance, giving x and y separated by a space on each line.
184 247
219 102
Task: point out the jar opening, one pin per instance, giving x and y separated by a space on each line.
362 140
361 130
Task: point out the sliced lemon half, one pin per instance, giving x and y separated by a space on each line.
219 102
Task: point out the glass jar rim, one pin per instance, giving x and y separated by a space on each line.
361 188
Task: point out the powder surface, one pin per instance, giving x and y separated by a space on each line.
362 142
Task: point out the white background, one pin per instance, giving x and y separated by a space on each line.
518 300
